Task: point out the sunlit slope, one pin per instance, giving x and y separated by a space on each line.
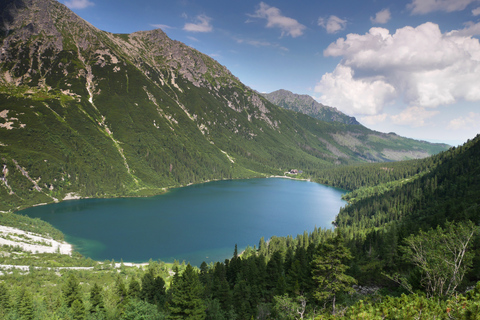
88 113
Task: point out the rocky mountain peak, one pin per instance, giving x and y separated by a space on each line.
306 104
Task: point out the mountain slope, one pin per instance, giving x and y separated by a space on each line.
307 105
87 113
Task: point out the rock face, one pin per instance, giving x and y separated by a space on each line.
96 114
307 105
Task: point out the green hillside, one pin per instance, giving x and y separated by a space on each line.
87 113
325 274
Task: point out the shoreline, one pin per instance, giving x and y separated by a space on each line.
32 242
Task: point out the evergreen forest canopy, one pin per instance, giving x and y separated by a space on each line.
406 247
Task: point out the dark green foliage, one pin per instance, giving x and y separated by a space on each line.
134 288
5 300
71 290
78 310
186 296
24 305
141 310
96 299
329 270
153 289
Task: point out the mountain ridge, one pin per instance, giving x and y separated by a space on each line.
88 113
308 105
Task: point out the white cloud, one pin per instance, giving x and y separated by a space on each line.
258 43
202 24
275 19
473 119
420 65
78 4
381 17
427 6
162 26
413 116
471 29
375 119
193 39
333 24
354 96
476 11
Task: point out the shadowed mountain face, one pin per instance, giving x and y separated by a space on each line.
307 105
84 112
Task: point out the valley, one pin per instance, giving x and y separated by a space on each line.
95 117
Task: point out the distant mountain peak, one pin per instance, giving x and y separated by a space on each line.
306 104
93 113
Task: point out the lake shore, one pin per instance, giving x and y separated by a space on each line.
32 242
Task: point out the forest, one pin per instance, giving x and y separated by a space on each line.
407 246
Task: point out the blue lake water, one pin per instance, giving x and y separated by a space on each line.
195 223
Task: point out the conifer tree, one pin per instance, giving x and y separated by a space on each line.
186 296
96 299
5 302
121 292
78 310
134 288
25 304
71 290
328 270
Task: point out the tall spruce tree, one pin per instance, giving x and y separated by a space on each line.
96 299
328 270
71 290
186 296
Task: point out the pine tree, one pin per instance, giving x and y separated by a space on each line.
78 310
96 299
186 292
134 288
71 290
25 304
328 270
5 302
121 292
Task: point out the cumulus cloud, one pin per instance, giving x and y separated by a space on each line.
420 65
471 29
78 4
202 24
476 11
427 6
473 119
354 96
333 24
381 17
413 116
275 19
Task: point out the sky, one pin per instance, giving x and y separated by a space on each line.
411 67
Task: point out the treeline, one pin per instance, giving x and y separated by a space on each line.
267 283
430 204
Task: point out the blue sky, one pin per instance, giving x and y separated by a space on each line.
410 67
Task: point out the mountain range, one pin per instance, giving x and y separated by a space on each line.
88 113
307 105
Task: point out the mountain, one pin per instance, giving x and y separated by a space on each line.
88 113
307 105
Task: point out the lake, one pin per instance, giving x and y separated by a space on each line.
196 223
